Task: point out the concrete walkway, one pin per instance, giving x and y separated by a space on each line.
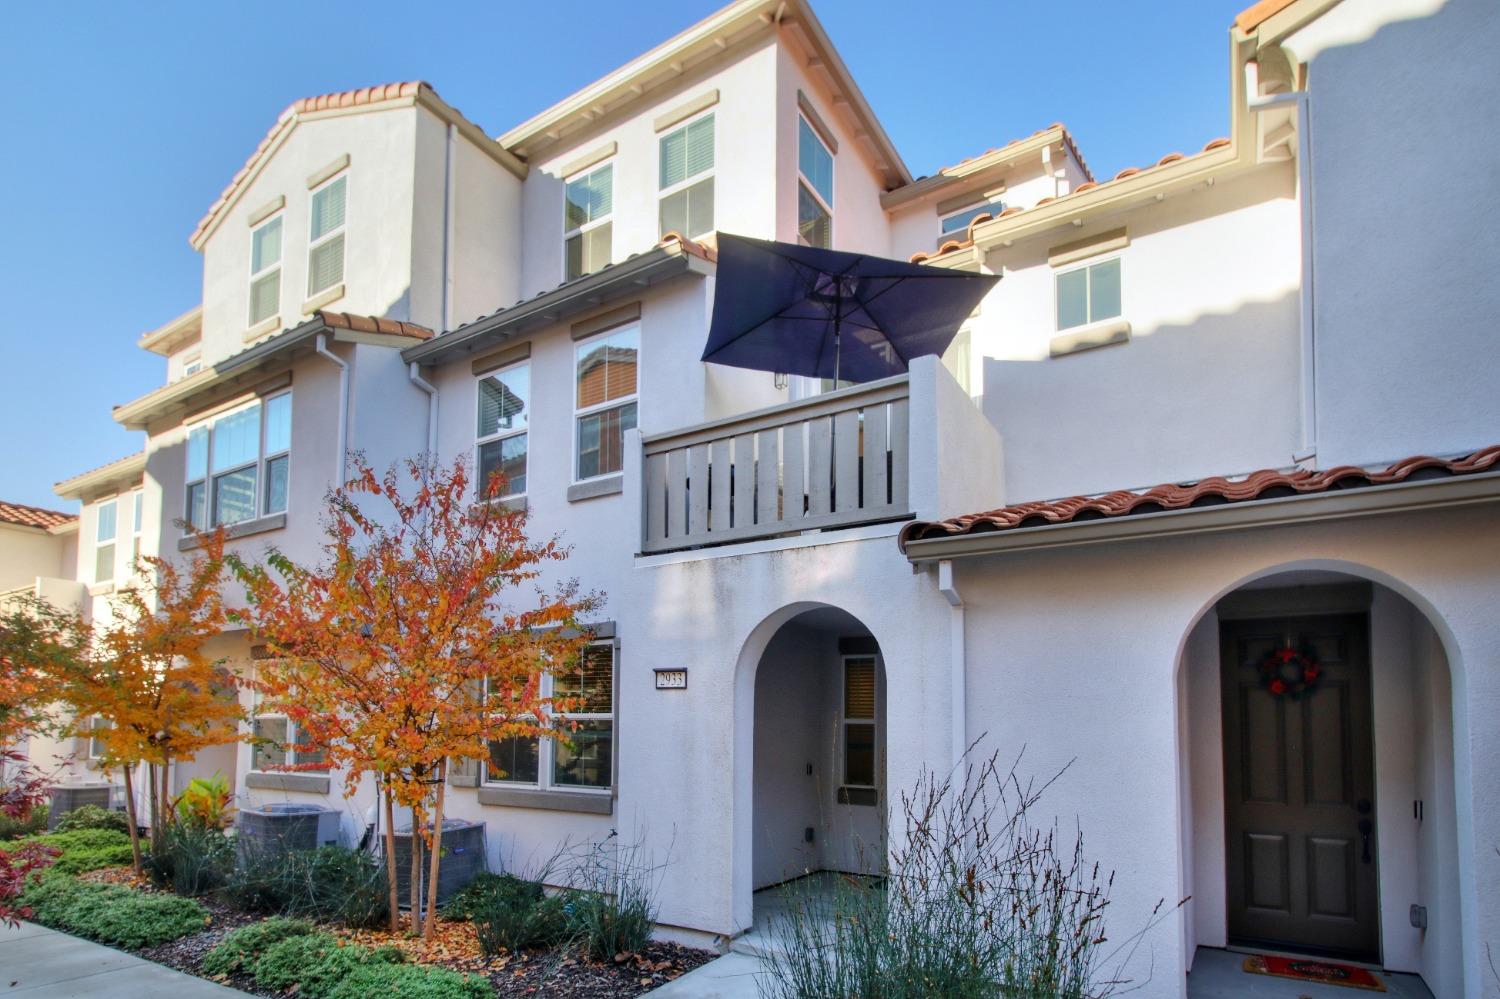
39 963
732 976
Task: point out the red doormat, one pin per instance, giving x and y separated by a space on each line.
1305 969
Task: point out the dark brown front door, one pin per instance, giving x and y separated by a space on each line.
1299 789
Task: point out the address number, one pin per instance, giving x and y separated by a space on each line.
671 679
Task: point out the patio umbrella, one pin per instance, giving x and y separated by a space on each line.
803 310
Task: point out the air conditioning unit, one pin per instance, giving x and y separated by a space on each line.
463 858
286 825
66 797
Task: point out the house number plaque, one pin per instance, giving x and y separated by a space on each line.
671 679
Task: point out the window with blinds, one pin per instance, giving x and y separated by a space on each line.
501 436
607 382
325 252
265 271
814 189
584 759
686 179
859 721
239 463
588 203
105 529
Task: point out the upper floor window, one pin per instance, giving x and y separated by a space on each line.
238 463
137 521
584 758
687 180
194 364
504 416
952 225
1088 294
814 188
106 527
607 381
265 272
325 248
587 230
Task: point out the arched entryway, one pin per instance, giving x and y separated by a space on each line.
812 701
1318 800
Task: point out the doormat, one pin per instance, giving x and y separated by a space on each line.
1305 969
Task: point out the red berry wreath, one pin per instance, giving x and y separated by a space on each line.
1289 673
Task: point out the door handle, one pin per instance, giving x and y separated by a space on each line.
1366 826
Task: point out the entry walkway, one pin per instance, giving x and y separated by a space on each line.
38 963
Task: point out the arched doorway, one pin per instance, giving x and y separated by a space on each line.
813 702
1318 801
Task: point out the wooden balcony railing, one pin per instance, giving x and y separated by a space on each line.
832 461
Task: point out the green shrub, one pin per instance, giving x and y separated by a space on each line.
313 963
607 925
241 948
484 884
110 914
35 822
93 817
510 914
192 859
329 883
411 981
86 849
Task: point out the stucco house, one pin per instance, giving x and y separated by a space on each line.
1182 434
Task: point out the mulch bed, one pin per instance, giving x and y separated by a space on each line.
538 975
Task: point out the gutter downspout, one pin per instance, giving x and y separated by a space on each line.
958 671
343 462
414 372
1297 101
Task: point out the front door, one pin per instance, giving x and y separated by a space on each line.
1299 785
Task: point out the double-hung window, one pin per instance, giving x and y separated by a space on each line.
238 463
96 728
325 247
951 226
106 526
588 203
607 381
687 179
504 416
265 271
583 759
814 188
859 741
1088 294
275 745
137 521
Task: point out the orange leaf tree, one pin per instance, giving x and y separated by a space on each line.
422 635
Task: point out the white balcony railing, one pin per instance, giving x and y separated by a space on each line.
832 461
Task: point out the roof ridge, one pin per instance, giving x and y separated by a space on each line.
27 515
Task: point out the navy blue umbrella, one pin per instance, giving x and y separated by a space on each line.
830 314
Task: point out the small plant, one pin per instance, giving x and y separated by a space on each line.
313 963
32 823
110 914
206 803
411 982
93 817
240 949
615 911
513 915
85 849
329 883
193 860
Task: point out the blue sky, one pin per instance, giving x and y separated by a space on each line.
127 120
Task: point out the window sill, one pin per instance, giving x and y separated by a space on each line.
245 528
556 801
516 504
100 589
262 328
1101 334
859 796
315 783
325 297
605 485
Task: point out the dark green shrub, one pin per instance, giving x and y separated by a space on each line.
86 849
110 914
313 963
93 817
241 948
329 883
606 925
411 981
193 860
485 884
511 914
35 822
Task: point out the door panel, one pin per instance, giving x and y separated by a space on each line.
1298 781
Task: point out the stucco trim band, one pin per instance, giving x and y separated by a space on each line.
606 320
266 210
318 176
685 111
315 783
501 358
594 488
587 160
816 121
263 328
556 801
1089 246
322 298
1103 334
243 529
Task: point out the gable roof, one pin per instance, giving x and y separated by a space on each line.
377 98
1027 146
122 473
33 516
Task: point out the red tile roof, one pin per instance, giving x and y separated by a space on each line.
372 324
1067 137
33 516
1266 484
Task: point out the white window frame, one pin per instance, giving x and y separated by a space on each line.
663 193
313 244
994 206
192 365
291 734
261 463
501 435
579 412
112 541
845 721
546 755
804 181
1084 265
137 523
257 275
592 224
96 724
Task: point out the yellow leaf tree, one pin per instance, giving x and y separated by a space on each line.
422 636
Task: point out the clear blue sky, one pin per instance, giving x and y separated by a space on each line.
126 120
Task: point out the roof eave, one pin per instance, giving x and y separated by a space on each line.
1399 497
993 162
126 471
172 336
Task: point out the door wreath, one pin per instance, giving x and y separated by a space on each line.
1289 673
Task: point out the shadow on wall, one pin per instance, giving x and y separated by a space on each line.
1176 403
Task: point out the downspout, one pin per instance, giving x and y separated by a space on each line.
414 372
448 206
343 462
958 672
1297 101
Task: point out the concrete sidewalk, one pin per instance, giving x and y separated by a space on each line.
39 963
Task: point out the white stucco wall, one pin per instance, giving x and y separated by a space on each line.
29 552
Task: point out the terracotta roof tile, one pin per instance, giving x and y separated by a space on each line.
1265 484
373 324
33 516
1067 137
1254 16
703 251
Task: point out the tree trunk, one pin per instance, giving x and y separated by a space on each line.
154 807
135 825
414 894
393 896
430 927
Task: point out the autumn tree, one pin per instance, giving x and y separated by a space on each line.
421 636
